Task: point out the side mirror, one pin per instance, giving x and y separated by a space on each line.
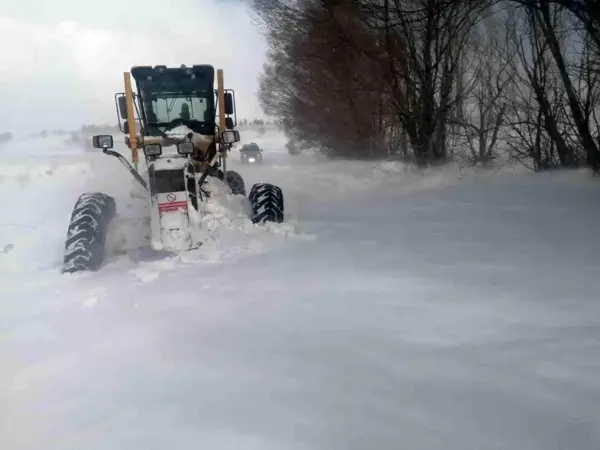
229 108
122 106
126 127
230 136
229 123
102 141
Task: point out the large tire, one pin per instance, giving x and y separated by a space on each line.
267 203
86 235
235 181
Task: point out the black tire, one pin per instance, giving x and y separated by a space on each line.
86 235
267 203
235 181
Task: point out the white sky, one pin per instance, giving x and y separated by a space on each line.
62 61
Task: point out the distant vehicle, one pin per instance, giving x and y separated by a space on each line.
251 153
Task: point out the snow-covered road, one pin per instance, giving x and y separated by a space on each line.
395 312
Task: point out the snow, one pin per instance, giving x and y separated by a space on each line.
182 132
170 161
395 308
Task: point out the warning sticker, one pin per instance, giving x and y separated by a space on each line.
172 206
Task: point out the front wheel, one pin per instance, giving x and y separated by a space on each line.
86 235
267 203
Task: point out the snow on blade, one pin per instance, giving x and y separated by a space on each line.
225 231
182 132
179 132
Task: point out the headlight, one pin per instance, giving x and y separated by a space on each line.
152 150
185 148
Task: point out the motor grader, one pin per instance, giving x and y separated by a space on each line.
184 127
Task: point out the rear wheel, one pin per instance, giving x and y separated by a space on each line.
267 203
86 235
235 182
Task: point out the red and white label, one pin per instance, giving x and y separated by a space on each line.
174 206
172 201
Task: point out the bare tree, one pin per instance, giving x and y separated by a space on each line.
424 43
554 21
538 110
482 112
319 77
373 78
548 18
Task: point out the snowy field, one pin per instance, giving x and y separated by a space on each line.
394 310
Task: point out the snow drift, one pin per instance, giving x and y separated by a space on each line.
455 314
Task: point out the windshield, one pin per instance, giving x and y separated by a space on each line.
172 97
165 109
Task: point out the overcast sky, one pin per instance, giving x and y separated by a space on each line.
62 61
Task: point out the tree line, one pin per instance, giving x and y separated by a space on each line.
433 80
